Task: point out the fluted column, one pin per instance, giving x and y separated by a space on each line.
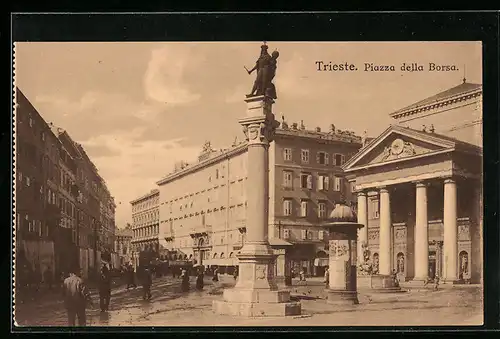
450 241
385 233
362 219
421 234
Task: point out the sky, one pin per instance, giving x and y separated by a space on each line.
138 108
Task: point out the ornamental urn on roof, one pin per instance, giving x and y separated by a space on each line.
342 213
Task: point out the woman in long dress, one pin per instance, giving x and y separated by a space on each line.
184 281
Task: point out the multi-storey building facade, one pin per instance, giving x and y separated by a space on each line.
419 188
203 206
36 190
123 245
145 224
306 180
62 214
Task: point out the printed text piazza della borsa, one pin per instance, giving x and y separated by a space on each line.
329 66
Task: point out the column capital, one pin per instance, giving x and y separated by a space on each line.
421 183
361 193
450 180
383 189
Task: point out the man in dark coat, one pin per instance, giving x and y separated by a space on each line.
184 281
147 281
76 297
105 288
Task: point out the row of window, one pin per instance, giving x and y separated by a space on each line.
218 174
32 226
146 231
305 208
146 217
306 181
212 195
145 204
322 158
205 255
307 234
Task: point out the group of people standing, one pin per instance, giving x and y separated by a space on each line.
200 275
77 295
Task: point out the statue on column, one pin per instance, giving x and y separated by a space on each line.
266 70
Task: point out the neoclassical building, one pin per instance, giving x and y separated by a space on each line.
419 187
145 224
203 205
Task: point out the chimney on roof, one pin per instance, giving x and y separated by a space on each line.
318 129
332 128
294 126
431 129
424 128
302 127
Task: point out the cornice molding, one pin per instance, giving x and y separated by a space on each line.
190 169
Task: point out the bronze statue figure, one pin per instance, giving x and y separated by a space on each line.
266 70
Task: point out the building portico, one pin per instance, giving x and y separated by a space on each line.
419 194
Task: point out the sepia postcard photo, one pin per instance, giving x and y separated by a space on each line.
260 183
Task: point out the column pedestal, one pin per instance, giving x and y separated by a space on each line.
256 293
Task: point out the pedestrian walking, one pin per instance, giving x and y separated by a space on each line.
47 277
199 279
130 277
215 278
235 273
147 281
327 277
184 281
302 276
76 297
105 288
436 283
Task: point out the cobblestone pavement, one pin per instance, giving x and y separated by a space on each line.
170 307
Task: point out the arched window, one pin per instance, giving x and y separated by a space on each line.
231 255
401 262
222 255
190 256
214 256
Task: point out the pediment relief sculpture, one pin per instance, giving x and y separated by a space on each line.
398 149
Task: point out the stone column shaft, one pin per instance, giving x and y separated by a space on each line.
257 193
421 234
362 219
450 241
385 233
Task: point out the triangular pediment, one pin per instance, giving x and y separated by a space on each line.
397 144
